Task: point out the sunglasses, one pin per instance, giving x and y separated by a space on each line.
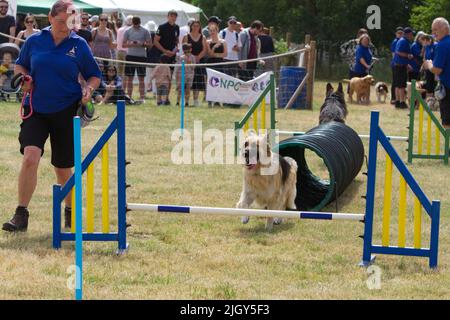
29 21
111 70
3 7
103 19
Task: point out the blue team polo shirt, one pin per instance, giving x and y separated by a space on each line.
442 60
429 51
402 46
393 44
362 52
416 50
55 69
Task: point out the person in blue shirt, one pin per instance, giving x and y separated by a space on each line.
363 57
54 58
430 79
402 58
440 65
416 62
398 35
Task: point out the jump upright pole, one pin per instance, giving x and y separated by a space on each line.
79 210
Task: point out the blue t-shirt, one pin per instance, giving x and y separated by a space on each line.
366 54
442 60
416 51
55 69
402 46
429 51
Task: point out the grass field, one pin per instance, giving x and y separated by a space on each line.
202 257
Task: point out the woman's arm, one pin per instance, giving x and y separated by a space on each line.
112 44
19 36
225 50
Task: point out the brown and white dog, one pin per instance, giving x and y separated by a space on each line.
381 90
360 86
270 181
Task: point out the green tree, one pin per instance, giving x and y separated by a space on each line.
423 15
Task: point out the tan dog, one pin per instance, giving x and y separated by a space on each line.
360 86
270 181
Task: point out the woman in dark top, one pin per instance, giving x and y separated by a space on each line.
217 51
30 24
267 49
199 50
217 48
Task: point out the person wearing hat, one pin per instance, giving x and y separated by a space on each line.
440 66
212 20
398 35
94 21
402 58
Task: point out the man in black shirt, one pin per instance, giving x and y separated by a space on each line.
84 31
166 38
7 22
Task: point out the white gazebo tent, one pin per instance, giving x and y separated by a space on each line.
155 10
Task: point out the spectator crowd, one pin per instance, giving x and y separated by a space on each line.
123 46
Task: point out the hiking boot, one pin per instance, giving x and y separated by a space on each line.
397 104
18 223
403 105
67 217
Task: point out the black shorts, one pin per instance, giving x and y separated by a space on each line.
445 108
130 69
35 131
400 76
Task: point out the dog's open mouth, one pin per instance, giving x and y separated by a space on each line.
250 166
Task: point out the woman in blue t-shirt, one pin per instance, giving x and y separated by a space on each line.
50 63
428 43
363 58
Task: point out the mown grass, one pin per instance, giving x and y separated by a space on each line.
205 257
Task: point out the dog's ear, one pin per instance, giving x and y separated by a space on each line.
329 89
340 88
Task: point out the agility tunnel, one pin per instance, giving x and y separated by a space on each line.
432 142
342 152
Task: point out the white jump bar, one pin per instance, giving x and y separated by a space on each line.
245 212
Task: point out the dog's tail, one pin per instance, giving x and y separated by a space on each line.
345 80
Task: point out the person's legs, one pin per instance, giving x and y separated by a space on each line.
130 86
142 87
62 176
28 174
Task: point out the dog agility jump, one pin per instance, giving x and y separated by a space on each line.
432 208
441 135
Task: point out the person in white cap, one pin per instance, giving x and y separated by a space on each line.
121 51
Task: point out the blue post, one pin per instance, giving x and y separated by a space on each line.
371 182
79 208
121 177
183 72
434 237
56 217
